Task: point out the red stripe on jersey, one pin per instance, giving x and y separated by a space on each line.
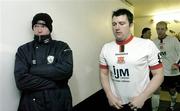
156 66
103 66
128 39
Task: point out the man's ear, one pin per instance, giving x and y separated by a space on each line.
131 24
166 28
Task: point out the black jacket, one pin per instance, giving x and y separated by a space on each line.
42 71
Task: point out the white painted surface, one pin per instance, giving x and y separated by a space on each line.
84 24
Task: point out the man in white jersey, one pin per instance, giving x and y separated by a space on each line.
125 64
170 52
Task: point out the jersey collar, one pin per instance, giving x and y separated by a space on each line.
127 40
162 37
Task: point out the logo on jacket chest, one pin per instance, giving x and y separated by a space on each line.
50 59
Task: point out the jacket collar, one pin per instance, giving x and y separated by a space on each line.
45 39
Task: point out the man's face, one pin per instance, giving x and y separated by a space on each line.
40 29
161 30
147 35
121 27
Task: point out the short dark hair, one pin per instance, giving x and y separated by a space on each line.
145 30
124 12
162 23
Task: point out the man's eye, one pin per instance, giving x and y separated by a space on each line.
35 26
121 23
39 26
113 24
43 26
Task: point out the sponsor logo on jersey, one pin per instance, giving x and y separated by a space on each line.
120 75
121 53
163 54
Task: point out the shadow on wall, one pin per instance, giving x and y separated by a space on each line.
94 102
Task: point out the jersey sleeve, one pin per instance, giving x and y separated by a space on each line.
102 59
177 50
154 58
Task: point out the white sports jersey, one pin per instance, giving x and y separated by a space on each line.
129 62
170 52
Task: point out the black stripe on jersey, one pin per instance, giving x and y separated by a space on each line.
178 62
121 48
161 40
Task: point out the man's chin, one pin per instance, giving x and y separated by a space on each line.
119 39
41 34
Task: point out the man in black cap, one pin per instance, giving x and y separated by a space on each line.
42 70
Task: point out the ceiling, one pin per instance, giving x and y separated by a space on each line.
152 7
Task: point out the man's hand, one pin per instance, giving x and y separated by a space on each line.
115 102
137 102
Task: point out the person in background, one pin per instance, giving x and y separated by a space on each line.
43 67
170 52
173 33
125 64
146 33
178 36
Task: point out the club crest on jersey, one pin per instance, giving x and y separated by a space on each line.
50 59
161 46
121 60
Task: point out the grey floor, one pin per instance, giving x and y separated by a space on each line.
164 105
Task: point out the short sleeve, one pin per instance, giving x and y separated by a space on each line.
102 58
154 58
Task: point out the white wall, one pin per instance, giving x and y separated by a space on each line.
142 22
84 24
1 84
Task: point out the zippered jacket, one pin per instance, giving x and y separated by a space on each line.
42 71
